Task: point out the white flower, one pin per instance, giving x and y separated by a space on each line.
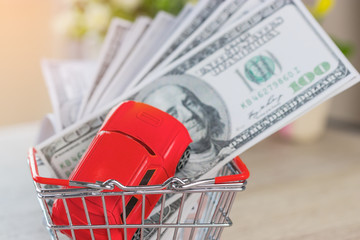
97 16
128 5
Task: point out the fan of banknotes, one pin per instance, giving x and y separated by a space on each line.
232 71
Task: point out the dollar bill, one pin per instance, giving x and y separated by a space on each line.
265 69
212 24
169 216
48 127
181 17
197 207
245 76
281 39
205 211
126 49
152 39
130 42
67 82
194 18
198 16
247 8
113 40
62 153
226 14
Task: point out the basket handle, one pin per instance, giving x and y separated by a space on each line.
65 182
35 172
244 173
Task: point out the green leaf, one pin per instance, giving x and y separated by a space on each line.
346 48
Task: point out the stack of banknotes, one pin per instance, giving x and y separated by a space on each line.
232 71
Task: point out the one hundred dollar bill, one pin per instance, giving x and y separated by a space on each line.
225 15
47 128
130 42
130 39
202 11
192 20
113 40
61 153
265 70
151 40
247 8
67 81
252 79
217 20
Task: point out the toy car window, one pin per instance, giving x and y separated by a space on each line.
149 173
151 152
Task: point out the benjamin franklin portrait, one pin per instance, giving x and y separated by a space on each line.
202 111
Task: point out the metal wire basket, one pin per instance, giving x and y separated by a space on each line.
186 210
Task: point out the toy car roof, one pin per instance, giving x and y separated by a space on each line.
155 128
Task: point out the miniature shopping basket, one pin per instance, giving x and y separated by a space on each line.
186 210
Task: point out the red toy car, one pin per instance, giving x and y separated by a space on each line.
137 145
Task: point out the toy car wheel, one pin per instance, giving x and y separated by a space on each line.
183 160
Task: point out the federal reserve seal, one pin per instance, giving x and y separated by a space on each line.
259 69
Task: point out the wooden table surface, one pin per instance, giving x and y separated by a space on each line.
309 191
294 192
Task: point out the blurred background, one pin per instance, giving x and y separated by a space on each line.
33 30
